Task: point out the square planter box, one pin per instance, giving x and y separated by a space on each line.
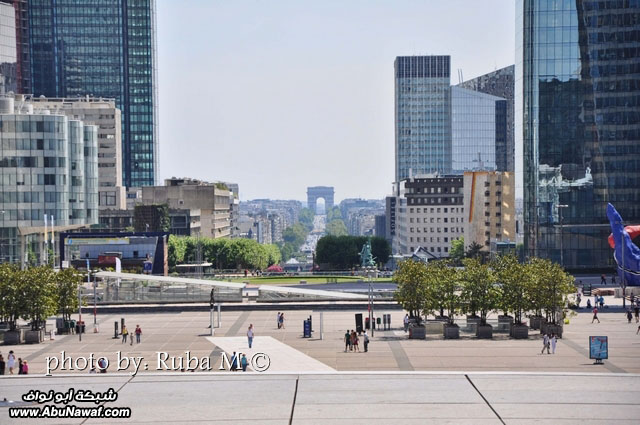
554 329
14 337
535 321
451 331
519 332
34 337
434 328
417 332
484 331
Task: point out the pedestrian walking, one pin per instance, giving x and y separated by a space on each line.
578 299
125 333
234 362
595 315
366 341
354 341
244 362
595 300
629 315
636 312
281 320
138 332
278 320
19 366
25 367
11 362
545 344
2 365
347 341
613 279
601 301
603 280
250 335
406 323
554 341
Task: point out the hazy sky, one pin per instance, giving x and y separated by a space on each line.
281 95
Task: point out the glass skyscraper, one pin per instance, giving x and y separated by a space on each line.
499 83
422 115
478 128
102 48
8 51
577 125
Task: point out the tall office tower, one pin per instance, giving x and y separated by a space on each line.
8 51
577 125
422 115
102 48
499 83
478 130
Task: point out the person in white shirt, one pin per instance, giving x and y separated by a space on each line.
250 335
406 323
554 340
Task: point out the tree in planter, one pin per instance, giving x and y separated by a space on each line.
412 291
479 292
67 282
550 287
513 285
446 286
39 290
12 302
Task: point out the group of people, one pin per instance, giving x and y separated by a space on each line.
351 341
10 364
280 320
549 343
238 362
125 334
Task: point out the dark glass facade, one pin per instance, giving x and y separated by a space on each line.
102 48
8 53
577 125
422 115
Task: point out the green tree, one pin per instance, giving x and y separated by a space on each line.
412 292
456 253
550 287
334 214
443 284
67 282
295 235
12 301
474 250
37 285
479 292
306 218
514 281
381 250
336 228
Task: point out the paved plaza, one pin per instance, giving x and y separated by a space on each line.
425 381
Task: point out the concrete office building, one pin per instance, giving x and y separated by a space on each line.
380 223
478 128
422 116
499 83
489 199
104 114
430 214
577 126
211 199
48 167
104 49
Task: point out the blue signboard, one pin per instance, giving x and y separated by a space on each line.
598 347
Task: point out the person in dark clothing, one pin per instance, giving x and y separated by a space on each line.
2 365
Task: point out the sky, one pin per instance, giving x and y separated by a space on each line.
281 95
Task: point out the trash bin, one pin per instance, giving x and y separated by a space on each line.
367 325
306 331
80 328
378 321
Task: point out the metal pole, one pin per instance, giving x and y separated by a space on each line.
95 309
321 320
624 273
211 321
219 315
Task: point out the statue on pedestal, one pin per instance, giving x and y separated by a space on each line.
366 258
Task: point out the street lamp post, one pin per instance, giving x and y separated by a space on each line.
560 207
623 282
